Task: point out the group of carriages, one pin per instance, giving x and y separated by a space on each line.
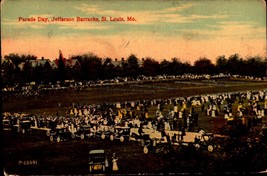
148 137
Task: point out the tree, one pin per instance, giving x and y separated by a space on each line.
165 67
176 65
61 67
108 69
235 64
221 64
132 67
91 67
203 66
150 67
256 67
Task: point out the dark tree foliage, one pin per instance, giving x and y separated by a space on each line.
150 67
235 64
221 65
176 66
108 69
165 67
90 67
27 72
61 68
203 66
18 68
132 67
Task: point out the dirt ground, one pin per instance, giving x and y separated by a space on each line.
71 157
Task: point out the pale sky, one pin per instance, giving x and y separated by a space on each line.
185 29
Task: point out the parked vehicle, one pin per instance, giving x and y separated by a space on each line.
84 131
23 126
200 140
61 134
144 137
6 125
121 133
97 160
104 131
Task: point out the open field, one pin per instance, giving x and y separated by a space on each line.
71 157
48 102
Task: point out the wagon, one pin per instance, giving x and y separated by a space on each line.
121 133
200 140
84 131
61 134
205 142
157 146
23 126
6 125
104 131
97 160
143 139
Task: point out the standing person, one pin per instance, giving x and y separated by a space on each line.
183 133
114 161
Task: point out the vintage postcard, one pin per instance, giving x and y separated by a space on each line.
125 87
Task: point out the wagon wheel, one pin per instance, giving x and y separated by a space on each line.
121 138
210 148
58 139
103 136
111 137
145 150
51 138
82 136
47 133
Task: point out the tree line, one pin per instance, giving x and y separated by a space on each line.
92 67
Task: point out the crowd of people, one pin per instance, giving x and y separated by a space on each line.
33 89
160 114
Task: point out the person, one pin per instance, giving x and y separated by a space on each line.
183 133
114 161
140 130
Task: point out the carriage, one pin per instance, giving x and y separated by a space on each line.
175 140
61 134
97 160
84 131
121 133
23 126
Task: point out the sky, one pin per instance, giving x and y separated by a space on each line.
163 29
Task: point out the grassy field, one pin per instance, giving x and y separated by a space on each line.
48 102
70 157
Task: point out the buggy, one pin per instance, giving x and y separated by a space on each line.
6 125
205 141
60 134
200 140
104 132
121 133
97 160
84 131
23 126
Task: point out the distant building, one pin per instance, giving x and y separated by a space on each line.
69 63
44 63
